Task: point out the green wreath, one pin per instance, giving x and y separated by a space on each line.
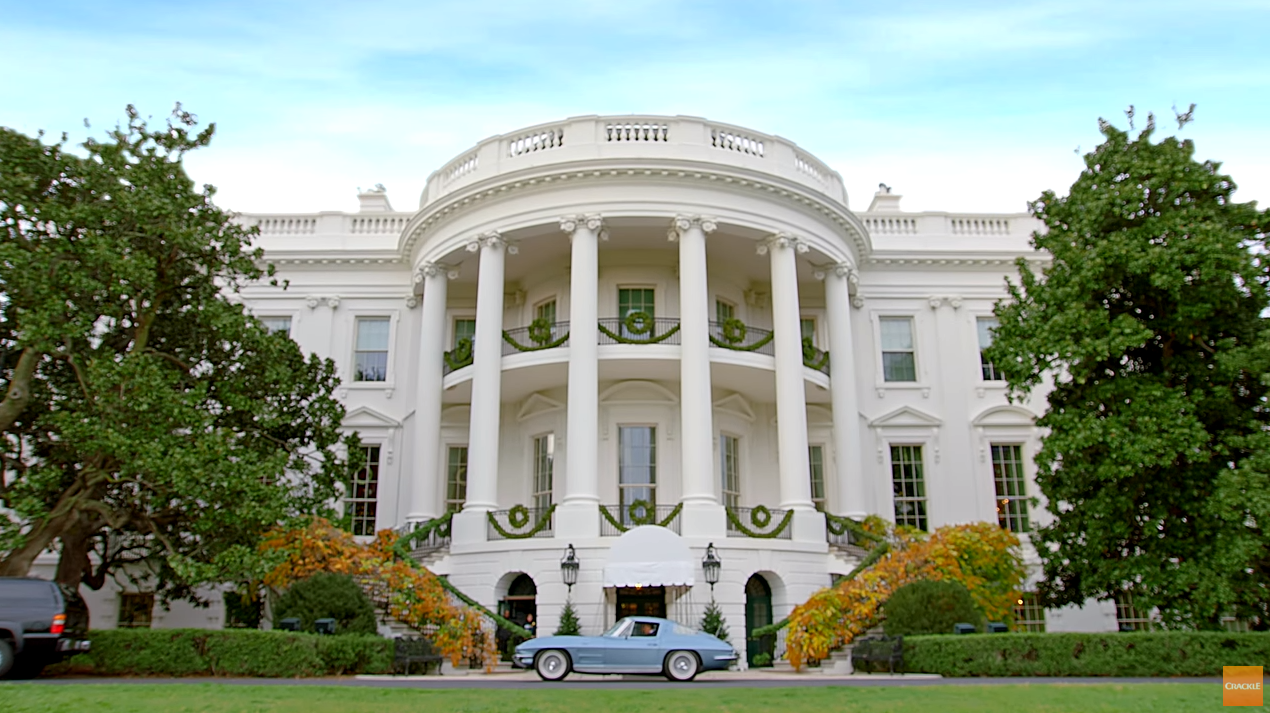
540 331
639 323
461 355
641 512
769 535
761 517
734 330
518 516
544 519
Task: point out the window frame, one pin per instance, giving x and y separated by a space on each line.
555 309
454 328
820 503
623 505
882 351
452 477
1010 516
1127 614
803 321
923 517
390 375
734 493
289 316
988 372
1029 604
537 494
370 511
719 305
124 597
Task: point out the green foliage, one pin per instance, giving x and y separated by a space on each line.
930 606
234 652
326 595
569 624
762 660
1173 653
1149 322
713 623
243 611
146 416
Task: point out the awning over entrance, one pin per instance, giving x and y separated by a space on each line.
649 556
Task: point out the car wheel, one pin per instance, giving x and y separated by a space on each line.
682 666
552 665
6 657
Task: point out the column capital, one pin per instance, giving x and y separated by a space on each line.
682 223
434 269
594 222
782 240
491 240
840 269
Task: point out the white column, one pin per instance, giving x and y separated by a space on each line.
791 399
578 516
695 397
848 466
487 374
427 458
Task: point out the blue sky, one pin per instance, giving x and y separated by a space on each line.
958 105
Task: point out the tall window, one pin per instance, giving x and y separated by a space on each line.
277 324
363 493
816 457
371 359
909 486
546 310
730 465
1007 471
1029 615
898 360
463 329
808 327
456 478
636 467
635 299
136 610
987 368
544 463
1130 617
723 311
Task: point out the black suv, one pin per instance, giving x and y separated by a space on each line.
39 623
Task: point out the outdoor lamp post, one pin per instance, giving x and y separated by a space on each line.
711 564
569 567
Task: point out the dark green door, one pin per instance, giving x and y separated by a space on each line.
758 613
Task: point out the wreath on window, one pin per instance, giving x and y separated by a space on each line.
734 330
640 512
518 516
760 517
540 331
638 323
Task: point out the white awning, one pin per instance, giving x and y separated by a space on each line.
649 556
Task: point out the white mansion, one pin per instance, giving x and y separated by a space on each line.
635 337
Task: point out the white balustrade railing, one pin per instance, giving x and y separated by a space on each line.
891 225
367 225
460 167
637 131
979 226
724 139
536 141
288 225
812 167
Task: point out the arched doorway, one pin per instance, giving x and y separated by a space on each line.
758 613
518 605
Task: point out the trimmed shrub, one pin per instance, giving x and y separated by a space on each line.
1166 653
930 606
327 595
231 652
569 624
713 622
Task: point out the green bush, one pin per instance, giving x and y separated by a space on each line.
713 622
569 624
231 652
326 595
1170 653
930 607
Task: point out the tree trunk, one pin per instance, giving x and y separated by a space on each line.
74 566
18 394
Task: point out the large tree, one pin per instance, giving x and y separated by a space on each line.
146 417
1149 325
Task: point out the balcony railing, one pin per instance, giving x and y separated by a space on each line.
537 337
850 535
426 537
815 358
459 357
639 328
760 522
740 337
520 523
614 520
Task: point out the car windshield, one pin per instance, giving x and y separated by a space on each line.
618 629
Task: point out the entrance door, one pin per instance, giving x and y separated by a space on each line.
520 603
758 613
641 601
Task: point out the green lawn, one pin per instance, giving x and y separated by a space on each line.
215 698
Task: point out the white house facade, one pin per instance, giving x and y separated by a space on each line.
594 327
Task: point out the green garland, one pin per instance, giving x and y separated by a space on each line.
760 513
461 355
441 525
738 348
520 512
540 335
649 518
838 525
639 323
813 357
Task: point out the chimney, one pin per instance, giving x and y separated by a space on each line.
884 201
374 201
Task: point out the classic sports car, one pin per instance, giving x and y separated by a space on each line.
636 644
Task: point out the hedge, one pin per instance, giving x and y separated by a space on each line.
1168 653
230 652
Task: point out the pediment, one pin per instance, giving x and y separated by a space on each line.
1004 415
365 417
906 417
638 392
736 405
537 404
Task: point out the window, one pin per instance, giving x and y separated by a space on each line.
645 628
729 461
816 457
988 369
371 359
363 493
463 329
544 461
898 361
1029 615
908 485
546 310
1007 471
636 467
277 324
136 610
1129 617
808 327
723 311
635 299
456 479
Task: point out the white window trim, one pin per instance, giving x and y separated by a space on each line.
531 498
1028 437
975 316
741 459
658 449
446 445
919 348
384 442
817 328
289 314
924 448
533 309
928 438
659 303
450 330
390 374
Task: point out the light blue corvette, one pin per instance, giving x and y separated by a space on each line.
636 644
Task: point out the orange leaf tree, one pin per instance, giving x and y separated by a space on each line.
416 596
981 556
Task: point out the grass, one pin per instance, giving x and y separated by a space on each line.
215 698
